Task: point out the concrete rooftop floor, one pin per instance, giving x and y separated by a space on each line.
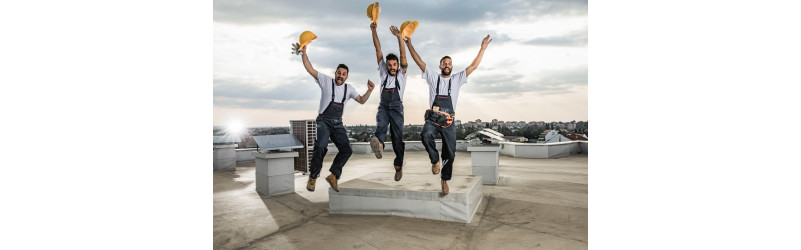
538 203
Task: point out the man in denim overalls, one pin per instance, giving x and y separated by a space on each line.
443 95
390 110
335 92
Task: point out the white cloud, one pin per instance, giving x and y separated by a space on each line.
538 54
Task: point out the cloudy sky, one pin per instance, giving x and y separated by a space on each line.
535 69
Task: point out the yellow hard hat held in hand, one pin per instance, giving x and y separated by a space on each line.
407 28
305 38
372 11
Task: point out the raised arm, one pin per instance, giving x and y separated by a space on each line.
377 44
416 57
474 65
363 98
308 64
397 33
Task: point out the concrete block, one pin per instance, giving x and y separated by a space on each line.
277 166
273 185
275 172
224 164
416 196
224 157
489 174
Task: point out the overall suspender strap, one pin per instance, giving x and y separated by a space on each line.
333 91
345 95
437 86
449 86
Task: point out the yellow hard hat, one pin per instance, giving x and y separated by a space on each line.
407 28
306 37
372 11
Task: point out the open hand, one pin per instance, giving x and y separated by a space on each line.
395 31
486 42
370 85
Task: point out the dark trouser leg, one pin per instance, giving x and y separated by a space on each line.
340 138
320 148
448 151
396 132
429 133
382 120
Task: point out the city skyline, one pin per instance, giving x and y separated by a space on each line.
535 68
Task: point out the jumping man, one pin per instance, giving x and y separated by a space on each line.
443 89
335 92
390 110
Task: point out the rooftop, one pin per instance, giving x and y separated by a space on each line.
537 203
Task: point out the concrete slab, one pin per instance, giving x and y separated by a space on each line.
416 196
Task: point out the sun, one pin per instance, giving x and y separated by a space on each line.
235 128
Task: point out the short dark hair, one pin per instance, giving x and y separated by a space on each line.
344 67
392 57
443 58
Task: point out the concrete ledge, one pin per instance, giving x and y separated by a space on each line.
540 150
364 147
416 196
245 154
583 147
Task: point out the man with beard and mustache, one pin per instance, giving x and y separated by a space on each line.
443 92
329 120
390 110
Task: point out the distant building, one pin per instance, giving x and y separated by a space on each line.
515 138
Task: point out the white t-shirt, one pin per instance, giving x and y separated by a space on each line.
325 95
382 70
457 80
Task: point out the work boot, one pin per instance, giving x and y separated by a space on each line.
377 146
332 180
311 183
445 187
398 173
435 167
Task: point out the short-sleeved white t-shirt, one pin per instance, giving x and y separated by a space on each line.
325 82
457 80
382 70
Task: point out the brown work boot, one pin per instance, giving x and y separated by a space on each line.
398 173
445 187
435 168
332 180
311 183
376 146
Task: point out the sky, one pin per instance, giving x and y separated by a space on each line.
535 68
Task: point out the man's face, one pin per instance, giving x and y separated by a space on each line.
446 66
392 67
341 76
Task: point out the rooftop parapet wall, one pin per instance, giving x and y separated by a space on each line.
543 150
514 149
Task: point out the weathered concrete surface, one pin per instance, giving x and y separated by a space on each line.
538 203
